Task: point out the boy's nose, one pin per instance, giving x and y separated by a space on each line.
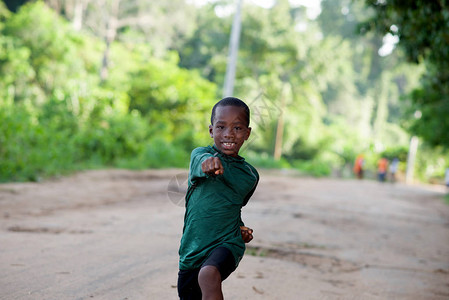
229 132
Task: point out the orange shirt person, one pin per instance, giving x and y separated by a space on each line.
358 166
382 166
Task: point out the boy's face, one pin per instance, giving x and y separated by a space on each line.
229 129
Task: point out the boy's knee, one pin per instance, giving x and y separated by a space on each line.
209 279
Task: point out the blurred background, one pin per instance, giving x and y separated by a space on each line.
130 84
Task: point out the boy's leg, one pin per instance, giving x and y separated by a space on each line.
209 280
217 267
188 288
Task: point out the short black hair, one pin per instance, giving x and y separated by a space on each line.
230 101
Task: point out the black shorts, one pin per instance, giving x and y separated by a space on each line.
188 287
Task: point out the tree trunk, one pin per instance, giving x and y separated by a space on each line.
411 159
104 72
78 15
280 126
228 88
111 32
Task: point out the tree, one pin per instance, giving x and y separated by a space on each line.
159 23
206 49
423 31
36 56
14 5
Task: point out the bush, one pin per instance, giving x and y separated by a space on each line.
157 153
28 149
316 168
263 160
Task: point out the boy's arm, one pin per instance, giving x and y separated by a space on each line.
248 196
203 164
247 234
212 166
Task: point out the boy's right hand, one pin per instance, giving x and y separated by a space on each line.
212 166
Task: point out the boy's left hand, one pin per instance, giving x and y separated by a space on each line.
247 233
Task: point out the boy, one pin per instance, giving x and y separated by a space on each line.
220 184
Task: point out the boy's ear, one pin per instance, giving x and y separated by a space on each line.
211 133
248 133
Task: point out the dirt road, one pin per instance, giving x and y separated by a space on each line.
114 235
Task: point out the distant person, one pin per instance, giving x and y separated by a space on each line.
393 168
359 166
382 166
220 183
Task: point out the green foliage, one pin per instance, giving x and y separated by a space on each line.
334 94
116 137
317 168
206 49
432 103
48 45
265 161
302 150
431 163
395 152
157 153
57 118
314 167
166 94
28 150
162 85
423 28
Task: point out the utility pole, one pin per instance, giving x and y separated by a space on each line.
280 125
228 88
411 159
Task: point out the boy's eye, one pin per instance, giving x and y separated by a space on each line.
238 128
220 126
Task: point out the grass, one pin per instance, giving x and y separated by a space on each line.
256 251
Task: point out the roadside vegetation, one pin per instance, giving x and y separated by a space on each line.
75 96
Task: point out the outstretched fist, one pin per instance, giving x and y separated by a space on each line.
247 234
212 166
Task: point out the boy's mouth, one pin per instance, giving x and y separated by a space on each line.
228 145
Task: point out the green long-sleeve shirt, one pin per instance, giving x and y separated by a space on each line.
213 207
